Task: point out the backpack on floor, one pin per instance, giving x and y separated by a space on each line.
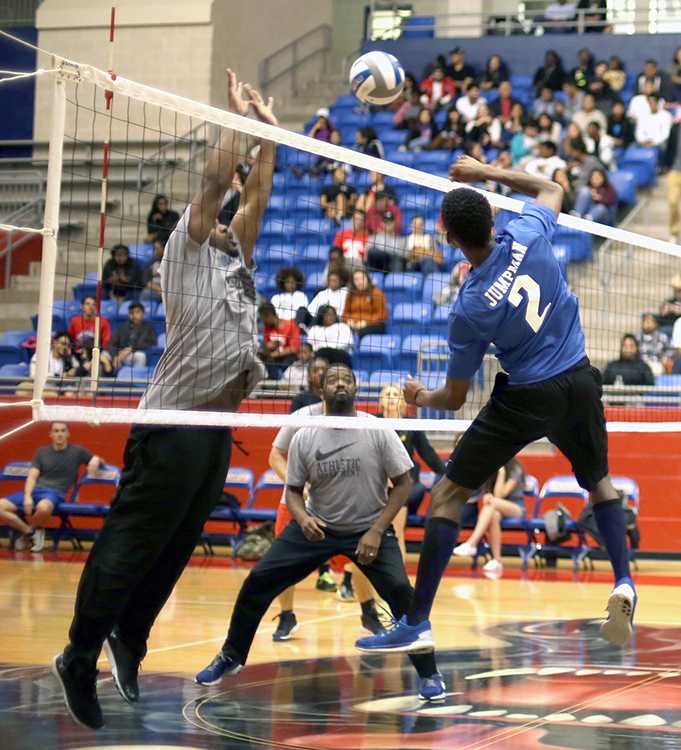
587 522
555 525
256 542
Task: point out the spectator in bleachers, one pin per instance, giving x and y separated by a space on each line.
548 129
524 141
152 274
584 70
571 137
652 75
322 165
469 104
629 369
599 87
589 113
54 469
615 76
545 103
562 177
338 199
599 144
131 339
106 368
670 309
674 76
620 126
421 133
515 123
408 112
582 164
334 294
439 62
502 496
61 365
330 337
296 375
484 129
504 103
391 405
411 85
594 16
365 310
654 344
574 98
421 249
437 91
122 275
653 128
447 295
82 327
672 161
451 135
546 161
387 250
597 200
161 218
336 264
375 219
550 74
312 393
353 241
639 105
369 143
458 69
290 297
558 15
366 201
496 73
322 127
674 360
281 340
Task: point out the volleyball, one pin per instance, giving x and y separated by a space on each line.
376 78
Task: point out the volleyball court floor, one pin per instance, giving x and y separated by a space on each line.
520 655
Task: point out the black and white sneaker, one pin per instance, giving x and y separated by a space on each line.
287 626
79 686
124 665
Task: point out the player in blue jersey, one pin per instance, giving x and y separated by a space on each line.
516 298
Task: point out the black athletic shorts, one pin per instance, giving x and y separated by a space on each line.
567 409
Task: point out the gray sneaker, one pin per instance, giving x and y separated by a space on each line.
23 542
38 540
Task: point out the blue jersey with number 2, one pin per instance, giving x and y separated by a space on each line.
518 300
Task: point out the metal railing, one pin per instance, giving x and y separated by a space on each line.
287 60
28 215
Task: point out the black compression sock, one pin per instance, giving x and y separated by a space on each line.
368 607
347 578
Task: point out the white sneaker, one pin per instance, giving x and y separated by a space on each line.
617 629
493 566
23 542
38 540
465 550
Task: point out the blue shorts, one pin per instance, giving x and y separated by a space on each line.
39 493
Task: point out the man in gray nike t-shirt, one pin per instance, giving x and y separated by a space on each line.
349 512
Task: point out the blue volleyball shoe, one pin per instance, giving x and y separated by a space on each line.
432 689
402 637
217 669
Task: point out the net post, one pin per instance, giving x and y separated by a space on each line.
49 253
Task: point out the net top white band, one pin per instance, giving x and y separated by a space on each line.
259 129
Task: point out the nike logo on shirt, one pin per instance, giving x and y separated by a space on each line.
319 456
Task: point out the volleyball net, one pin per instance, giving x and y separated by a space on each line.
381 303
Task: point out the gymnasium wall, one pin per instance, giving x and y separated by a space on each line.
651 459
16 122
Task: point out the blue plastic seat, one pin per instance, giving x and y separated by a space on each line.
579 243
420 344
416 314
381 378
624 182
133 375
11 355
439 322
15 370
316 251
393 137
14 338
376 351
403 287
434 283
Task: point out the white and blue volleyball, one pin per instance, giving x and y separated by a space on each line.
376 78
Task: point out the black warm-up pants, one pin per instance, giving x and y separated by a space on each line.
172 479
291 558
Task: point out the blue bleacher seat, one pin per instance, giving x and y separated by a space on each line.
429 159
387 377
84 289
376 351
14 470
136 375
417 344
642 162
346 100
318 252
11 355
433 284
521 82
153 355
315 281
415 314
418 27
400 157
284 254
382 119
579 243
393 137
439 322
161 341
319 228
624 182
142 253
403 287
14 338
308 203
14 372
350 119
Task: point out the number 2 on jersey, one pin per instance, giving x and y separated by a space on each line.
526 283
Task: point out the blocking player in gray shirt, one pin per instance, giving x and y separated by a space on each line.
350 512
173 476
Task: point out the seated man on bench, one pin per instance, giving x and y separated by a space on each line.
53 470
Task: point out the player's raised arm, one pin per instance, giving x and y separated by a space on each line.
545 192
258 186
231 147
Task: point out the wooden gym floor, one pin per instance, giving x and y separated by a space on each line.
520 656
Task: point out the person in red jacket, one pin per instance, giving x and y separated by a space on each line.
353 242
437 90
82 327
376 214
281 341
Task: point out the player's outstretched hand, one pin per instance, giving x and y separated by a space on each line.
313 528
264 110
235 94
411 390
467 169
368 545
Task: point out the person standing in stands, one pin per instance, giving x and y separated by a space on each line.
54 469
